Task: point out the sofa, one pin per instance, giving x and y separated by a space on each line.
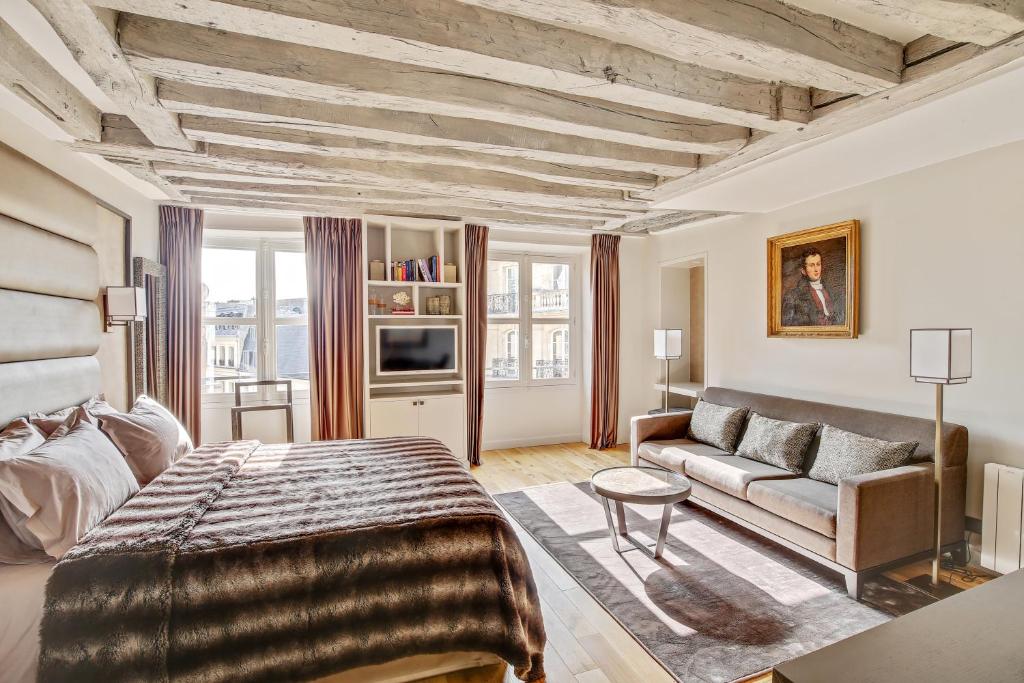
865 524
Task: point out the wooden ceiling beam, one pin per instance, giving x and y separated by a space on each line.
761 39
260 136
984 22
25 73
257 187
385 175
96 51
433 131
193 54
358 207
461 39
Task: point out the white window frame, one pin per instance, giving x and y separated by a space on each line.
526 320
266 303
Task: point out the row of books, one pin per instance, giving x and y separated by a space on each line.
416 270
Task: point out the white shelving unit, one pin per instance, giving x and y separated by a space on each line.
691 389
411 405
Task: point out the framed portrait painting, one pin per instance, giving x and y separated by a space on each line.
813 285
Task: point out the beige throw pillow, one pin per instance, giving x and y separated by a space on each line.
18 438
149 438
53 495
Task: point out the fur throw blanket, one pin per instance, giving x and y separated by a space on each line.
291 562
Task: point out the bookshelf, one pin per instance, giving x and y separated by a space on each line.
425 405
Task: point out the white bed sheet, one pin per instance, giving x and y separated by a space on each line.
22 595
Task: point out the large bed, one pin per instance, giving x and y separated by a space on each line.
346 561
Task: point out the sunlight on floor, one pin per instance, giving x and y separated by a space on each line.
568 507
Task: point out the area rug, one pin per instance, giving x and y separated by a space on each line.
722 603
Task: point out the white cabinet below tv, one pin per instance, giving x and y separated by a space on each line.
439 417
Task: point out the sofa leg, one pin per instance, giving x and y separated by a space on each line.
854 584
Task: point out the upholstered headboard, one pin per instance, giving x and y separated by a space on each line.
50 320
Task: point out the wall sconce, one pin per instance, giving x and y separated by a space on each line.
124 305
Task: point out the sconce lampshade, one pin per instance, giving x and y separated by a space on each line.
126 304
668 344
941 355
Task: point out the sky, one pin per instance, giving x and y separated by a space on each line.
231 274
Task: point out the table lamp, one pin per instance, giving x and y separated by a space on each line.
940 356
668 346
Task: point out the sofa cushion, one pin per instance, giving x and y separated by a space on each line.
845 454
777 442
716 425
672 454
807 502
731 473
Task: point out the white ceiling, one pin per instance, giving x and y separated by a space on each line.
986 114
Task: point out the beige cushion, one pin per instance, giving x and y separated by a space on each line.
731 473
53 495
807 502
68 417
18 438
844 454
149 437
777 442
719 426
673 453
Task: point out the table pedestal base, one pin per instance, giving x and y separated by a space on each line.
622 531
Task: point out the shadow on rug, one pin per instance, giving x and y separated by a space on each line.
722 603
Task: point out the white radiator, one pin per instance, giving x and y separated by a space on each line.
1002 525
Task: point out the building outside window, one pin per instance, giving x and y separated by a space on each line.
544 354
254 313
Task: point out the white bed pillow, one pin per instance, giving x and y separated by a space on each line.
53 495
47 423
149 438
18 438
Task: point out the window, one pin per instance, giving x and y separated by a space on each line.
544 355
254 313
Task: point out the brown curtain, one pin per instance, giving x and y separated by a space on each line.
476 336
334 272
181 252
604 394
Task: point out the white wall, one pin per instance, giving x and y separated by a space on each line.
940 246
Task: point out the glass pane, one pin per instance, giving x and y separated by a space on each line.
290 284
503 289
502 351
551 351
229 354
229 283
550 290
293 355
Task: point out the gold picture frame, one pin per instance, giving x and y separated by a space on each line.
814 282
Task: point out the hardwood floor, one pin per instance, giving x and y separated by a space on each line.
585 644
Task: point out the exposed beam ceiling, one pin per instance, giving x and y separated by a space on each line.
573 115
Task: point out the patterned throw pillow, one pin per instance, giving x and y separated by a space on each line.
844 454
716 425
776 442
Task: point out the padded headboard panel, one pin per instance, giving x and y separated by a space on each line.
49 288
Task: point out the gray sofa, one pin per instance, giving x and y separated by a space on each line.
863 525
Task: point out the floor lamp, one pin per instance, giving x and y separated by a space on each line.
940 356
668 345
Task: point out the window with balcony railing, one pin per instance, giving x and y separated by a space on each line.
531 320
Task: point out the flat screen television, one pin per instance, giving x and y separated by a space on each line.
404 350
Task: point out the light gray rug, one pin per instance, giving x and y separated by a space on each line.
722 603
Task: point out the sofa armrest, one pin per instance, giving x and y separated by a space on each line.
885 516
649 427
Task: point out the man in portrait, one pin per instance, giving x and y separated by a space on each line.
809 303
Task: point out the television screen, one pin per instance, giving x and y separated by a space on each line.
416 349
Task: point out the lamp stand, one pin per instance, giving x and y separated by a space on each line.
937 560
664 406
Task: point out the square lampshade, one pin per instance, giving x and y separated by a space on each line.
126 304
940 356
668 344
